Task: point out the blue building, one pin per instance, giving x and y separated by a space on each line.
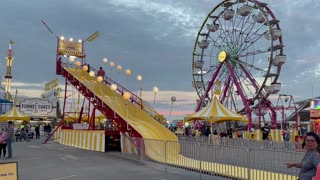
5 106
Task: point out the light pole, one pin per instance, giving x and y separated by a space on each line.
119 68
155 90
78 64
85 69
113 88
91 74
173 99
128 73
104 60
126 97
100 80
139 78
112 64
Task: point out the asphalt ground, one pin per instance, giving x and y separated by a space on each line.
52 161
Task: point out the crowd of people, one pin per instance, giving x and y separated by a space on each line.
231 133
206 131
8 135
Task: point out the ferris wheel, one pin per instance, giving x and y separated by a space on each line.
238 56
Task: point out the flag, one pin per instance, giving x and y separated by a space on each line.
11 42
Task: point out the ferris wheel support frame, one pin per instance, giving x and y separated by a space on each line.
199 105
241 93
224 94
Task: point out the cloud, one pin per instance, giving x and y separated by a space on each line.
29 85
178 14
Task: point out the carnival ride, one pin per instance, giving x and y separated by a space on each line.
8 76
238 54
129 116
5 91
236 72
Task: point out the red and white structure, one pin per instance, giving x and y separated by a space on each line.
8 76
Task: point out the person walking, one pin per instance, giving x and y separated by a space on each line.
287 138
252 132
101 72
49 129
10 137
308 165
37 130
283 133
3 142
265 131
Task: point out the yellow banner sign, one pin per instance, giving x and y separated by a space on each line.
9 171
70 48
51 84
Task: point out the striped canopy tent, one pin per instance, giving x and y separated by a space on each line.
14 114
215 112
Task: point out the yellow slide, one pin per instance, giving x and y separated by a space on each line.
157 137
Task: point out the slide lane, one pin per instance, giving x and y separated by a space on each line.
157 137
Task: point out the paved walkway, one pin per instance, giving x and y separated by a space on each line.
53 161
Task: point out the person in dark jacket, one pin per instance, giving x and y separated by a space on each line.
10 137
37 130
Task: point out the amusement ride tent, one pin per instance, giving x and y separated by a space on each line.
14 114
215 112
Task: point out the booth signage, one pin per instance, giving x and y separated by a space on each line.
51 84
70 48
315 113
36 107
9 171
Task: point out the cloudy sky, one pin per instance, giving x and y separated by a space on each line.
154 38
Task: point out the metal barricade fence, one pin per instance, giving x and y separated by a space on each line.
154 153
247 143
265 161
228 158
133 152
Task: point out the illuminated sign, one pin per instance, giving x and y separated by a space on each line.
314 113
36 107
70 48
315 104
51 84
9 171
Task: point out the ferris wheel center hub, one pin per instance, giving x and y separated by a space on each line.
222 56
